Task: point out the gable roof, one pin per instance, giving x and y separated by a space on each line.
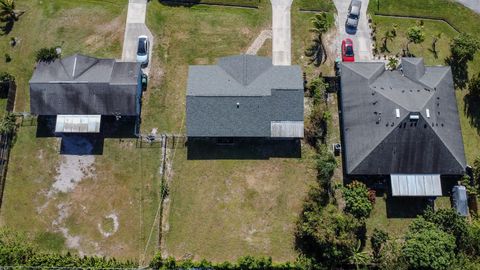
379 135
242 75
242 96
81 84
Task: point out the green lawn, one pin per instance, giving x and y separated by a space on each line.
124 179
317 5
431 28
221 209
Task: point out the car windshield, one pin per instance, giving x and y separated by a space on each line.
353 16
142 47
349 51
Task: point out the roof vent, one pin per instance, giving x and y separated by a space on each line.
238 105
397 113
428 113
414 116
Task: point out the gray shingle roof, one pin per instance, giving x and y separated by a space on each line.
84 85
377 142
240 97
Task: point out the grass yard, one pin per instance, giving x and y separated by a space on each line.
222 209
317 5
111 209
431 28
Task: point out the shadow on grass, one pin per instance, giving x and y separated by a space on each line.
472 110
7 26
87 143
459 71
406 207
252 148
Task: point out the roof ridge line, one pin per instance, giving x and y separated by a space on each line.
376 146
443 142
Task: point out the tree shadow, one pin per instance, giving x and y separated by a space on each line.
249 148
7 26
472 110
459 71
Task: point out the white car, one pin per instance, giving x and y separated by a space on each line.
142 50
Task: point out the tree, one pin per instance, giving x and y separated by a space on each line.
316 52
464 47
328 235
318 90
356 200
8 123
378 239
46 55
449 221
8 14
428 247
415 35
392 63
6 79
388 36
358 257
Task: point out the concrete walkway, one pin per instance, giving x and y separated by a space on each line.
281 31
258 42
362 43
471 4
135 27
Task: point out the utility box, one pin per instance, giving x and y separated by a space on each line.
460 200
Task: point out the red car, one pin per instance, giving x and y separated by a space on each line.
347 51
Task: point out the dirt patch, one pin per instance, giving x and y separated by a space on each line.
71 171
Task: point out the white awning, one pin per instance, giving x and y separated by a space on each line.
416 185
78 123
286 129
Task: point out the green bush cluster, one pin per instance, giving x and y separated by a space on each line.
46 55
16 250
357 200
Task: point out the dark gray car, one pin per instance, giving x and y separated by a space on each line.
354 13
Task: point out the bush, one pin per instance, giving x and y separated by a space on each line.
474 87
46 55
318 90
428 248
5 80
327 235
378 239
357 200
8 123
450 222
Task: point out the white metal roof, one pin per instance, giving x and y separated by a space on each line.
78 123
416 185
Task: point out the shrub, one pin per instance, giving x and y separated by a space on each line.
46 55
8 58
318 90
357 200
8 123
474 87
428 247
449 221
378 239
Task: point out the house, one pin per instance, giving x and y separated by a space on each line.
402 124
244 96
79 90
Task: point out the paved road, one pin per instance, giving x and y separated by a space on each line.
471 4
362 43
135 27
281 29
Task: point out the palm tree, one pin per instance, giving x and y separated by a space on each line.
321 24
358 257
436 38
7 10
388 36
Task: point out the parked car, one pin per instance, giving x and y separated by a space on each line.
142 50
347 50
353 13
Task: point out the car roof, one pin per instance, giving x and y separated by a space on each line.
355 10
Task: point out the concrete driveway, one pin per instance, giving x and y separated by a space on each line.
135 27
362 44
471 4
281 32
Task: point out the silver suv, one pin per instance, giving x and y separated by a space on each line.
354 13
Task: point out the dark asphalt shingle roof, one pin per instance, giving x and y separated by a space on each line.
263 92
84 85
377 142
